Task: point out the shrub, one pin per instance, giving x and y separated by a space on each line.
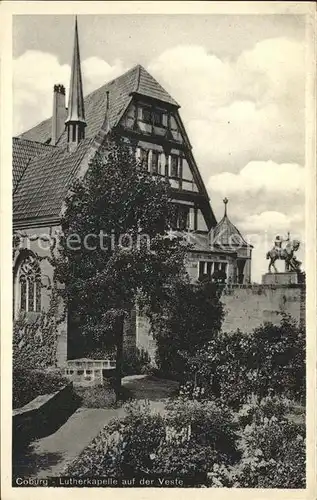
237 367
28 384
135 361
273 448
198 435
188 316
35 341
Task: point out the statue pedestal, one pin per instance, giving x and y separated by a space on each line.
286 278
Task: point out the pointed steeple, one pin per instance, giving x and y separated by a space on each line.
75 121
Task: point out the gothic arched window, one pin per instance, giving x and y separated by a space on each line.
30 285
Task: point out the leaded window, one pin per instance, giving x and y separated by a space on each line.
30 285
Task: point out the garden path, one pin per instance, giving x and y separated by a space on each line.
50 455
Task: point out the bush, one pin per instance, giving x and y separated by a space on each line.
273 447
257 447
35 340
28 384
237 367
135 362
188 316
198 435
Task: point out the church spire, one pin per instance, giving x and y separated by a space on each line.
75 122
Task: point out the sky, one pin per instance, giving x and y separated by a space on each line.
240 81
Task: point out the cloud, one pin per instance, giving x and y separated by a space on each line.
34 76
96 72
270 221
243 109
259 176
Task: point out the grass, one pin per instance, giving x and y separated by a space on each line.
149 387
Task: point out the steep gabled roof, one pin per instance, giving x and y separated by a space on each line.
23 151
135 81
44 185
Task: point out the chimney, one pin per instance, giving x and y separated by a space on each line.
59 113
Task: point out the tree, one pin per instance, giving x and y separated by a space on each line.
187 316
114 248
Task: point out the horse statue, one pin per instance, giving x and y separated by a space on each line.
287 254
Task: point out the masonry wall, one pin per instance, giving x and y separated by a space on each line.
247 307
37 240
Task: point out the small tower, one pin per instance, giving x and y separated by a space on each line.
227 238
75 121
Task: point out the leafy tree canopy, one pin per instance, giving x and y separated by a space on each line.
131 210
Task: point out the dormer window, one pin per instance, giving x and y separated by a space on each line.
158 118
146 115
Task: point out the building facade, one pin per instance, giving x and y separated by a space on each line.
48 157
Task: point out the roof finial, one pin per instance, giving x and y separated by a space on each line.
76 111
225 200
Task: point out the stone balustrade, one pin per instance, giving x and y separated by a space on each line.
87 371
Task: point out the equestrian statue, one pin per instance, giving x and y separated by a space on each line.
286 254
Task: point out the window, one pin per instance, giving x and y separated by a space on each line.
205 269
144 158
146 115
174 166
158 118
180 217
30 285
183 218
155 160
74 133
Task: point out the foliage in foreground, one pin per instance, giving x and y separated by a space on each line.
236 367
257 447
146 442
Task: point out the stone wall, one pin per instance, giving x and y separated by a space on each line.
37 240
43 415
247 307
144 338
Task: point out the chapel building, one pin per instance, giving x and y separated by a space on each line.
48 157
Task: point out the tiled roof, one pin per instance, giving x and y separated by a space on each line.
43 186
22 153
226 234
150 87
136 80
